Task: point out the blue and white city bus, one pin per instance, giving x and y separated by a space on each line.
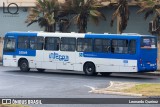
91 53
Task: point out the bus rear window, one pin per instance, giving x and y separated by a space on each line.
9 45
148 43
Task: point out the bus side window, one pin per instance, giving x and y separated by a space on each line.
36 43
52 43
84 45
119 46
23 42
113 46
68 44
32 42
132 46
39 43
98 45
102 45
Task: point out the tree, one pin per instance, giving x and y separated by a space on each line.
150 7
122 15
82 10
45 13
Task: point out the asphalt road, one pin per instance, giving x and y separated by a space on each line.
62 84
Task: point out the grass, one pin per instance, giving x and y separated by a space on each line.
13 105
145 89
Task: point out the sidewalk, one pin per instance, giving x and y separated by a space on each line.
156 73
129 89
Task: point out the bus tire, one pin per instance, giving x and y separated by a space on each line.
89 69
105 73
24 66
40 70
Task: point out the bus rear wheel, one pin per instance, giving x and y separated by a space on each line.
40 70
105 73
89 69
24 66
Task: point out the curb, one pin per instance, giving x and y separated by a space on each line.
151 73
99 91
156 73
117 93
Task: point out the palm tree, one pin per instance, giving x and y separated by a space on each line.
150 7
45 13
82 10
122 15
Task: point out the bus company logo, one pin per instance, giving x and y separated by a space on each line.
58 57
9 11
80 54
125 61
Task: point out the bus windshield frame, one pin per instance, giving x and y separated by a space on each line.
9 44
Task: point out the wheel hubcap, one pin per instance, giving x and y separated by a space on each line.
89 69
24 65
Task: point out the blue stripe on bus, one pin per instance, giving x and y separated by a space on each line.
110 36
109 55
15 34
114 36
21 52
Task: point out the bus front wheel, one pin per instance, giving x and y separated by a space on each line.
89 69
105 73
24 66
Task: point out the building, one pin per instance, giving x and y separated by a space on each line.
15 22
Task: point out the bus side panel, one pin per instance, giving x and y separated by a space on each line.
9 60
116 65
80 60
109 62
66 60
131 66
49 62
39 58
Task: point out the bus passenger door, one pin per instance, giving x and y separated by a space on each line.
39 58
37 43
66 56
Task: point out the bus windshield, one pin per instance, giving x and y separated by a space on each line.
148 42
9 45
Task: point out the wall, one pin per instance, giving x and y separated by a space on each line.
10 22
136 23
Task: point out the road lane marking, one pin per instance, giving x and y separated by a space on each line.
92 88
